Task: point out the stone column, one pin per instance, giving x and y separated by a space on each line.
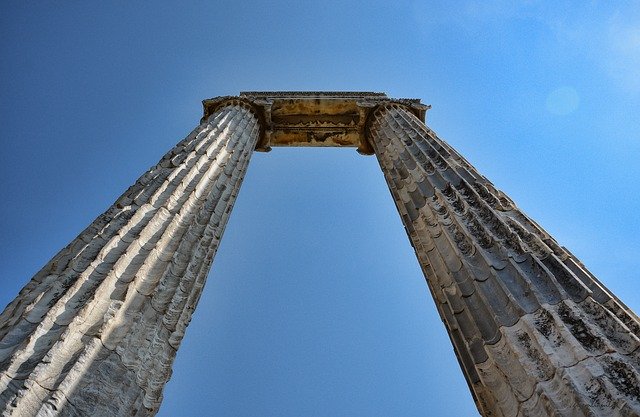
95 332
534 332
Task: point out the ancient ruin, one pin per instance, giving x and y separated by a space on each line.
95 332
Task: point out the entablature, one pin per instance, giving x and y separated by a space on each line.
320 119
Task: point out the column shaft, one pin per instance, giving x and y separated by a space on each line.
535 333
95 332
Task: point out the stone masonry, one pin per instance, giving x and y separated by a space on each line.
95 332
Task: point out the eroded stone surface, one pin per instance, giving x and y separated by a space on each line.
96 331
535 333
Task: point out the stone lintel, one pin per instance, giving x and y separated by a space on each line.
318 119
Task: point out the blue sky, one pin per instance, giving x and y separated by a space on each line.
316 305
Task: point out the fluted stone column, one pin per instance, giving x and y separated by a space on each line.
535 333
95 332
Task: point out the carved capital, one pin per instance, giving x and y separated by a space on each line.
211 105
371 108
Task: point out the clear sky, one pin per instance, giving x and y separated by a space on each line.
316 305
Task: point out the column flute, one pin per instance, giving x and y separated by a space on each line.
95 332
535 333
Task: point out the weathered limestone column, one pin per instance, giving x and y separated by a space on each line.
535 333
95 332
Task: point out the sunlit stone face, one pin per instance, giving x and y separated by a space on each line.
319 119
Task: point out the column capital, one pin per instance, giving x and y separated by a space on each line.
212 105
413 106
314 119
